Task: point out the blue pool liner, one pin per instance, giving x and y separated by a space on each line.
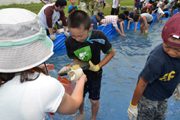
109 31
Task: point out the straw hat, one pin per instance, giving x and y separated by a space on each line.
23 41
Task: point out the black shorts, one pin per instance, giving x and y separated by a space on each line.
150 22
93 86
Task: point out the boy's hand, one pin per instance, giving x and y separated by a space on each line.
132 112
53 37
177 93
66 34
93 67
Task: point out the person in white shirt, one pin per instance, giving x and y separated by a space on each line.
114 19
27 92
160 14
115 7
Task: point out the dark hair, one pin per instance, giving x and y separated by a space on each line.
71 10
61 3
157 0
165 2
136 17
154 4
174 7
24 75
166 15
178 5
79 18
121 16
126 13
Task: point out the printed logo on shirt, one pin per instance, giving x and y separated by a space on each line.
168 76
84 53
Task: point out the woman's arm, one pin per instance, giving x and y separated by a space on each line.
70 104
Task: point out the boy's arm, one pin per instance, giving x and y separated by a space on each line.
78 2
122 28
135 26
103 23
107 58
162 18
52 1
118 3
145 21
132 111
117 29
42 1
139 91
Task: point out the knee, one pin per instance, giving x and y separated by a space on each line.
94 102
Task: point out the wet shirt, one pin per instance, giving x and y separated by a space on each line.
148 16
94 21
86 51
162 74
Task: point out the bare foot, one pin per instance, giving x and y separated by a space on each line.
80 116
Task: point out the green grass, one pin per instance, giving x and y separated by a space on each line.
35 7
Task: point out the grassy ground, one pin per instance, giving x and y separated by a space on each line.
35 7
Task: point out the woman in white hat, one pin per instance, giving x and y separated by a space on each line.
26 92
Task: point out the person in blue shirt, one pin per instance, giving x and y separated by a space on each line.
72 5
96 19
159 77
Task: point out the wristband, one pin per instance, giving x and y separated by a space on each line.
133 105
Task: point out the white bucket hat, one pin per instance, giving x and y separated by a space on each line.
23 41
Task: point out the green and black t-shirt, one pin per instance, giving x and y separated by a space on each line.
89 50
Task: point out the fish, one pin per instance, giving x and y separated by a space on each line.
67 68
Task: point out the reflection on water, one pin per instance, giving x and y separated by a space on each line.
120 75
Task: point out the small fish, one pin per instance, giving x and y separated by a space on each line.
67 68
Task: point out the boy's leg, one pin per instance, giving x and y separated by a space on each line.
128 24
94 96
142 27
117 11
147 109
162 110
94 108
112 11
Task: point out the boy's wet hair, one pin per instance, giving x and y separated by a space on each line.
61 3
126 12
166 15
79 19
136 17
121 16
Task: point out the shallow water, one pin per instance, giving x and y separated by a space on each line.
120 75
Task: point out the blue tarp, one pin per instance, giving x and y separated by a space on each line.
109 31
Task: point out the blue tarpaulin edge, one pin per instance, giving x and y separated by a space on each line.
109 31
